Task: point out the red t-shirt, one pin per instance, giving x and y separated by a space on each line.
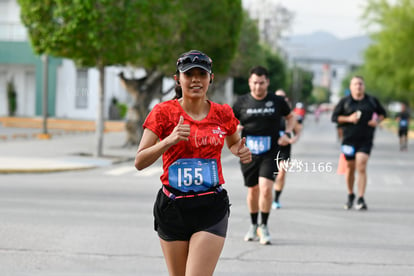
206 138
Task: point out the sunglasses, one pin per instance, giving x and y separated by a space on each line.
194 58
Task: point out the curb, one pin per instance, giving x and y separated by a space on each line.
61 124
43 170
40 136
116 160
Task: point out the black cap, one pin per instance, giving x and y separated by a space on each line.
194 59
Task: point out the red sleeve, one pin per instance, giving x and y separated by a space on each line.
155 120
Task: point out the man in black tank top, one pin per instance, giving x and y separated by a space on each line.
359 114
259 113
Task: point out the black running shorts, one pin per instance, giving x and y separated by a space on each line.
261 166
365 147
179 219
402 132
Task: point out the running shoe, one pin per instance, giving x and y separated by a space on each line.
276 205
251 235
264 234
350 202
361 205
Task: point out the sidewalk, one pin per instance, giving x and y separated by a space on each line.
63 152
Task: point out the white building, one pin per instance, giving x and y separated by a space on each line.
72 92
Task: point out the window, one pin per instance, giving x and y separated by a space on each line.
81 96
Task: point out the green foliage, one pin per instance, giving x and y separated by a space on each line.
209 26
11 98
123 109
299 85
277 71
389 63
306 85
145 33
319 95
148 33
249 51
274 64
91 32
215 30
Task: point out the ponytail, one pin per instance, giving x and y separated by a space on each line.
178 92
178 89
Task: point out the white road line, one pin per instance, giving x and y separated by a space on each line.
121 170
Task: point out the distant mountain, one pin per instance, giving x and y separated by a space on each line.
313 39
323 45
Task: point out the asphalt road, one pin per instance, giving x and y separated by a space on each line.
99 222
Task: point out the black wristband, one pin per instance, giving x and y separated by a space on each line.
288 134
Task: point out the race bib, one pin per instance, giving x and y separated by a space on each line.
348 150
258 144
403 123
193 174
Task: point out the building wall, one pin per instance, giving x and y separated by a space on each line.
67 91
11 28
24 81
19 63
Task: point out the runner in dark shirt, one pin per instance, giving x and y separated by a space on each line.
259 113
403 119
359 114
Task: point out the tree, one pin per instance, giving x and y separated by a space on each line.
249 51
389 66
263 27
275 66
277 71
209 26
319 95
147 34
96 33
306 85
301 86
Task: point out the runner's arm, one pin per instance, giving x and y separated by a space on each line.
149 150
238 147
290 124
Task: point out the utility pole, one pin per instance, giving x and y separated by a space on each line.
45 62
295 85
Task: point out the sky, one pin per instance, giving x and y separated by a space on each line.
339 17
